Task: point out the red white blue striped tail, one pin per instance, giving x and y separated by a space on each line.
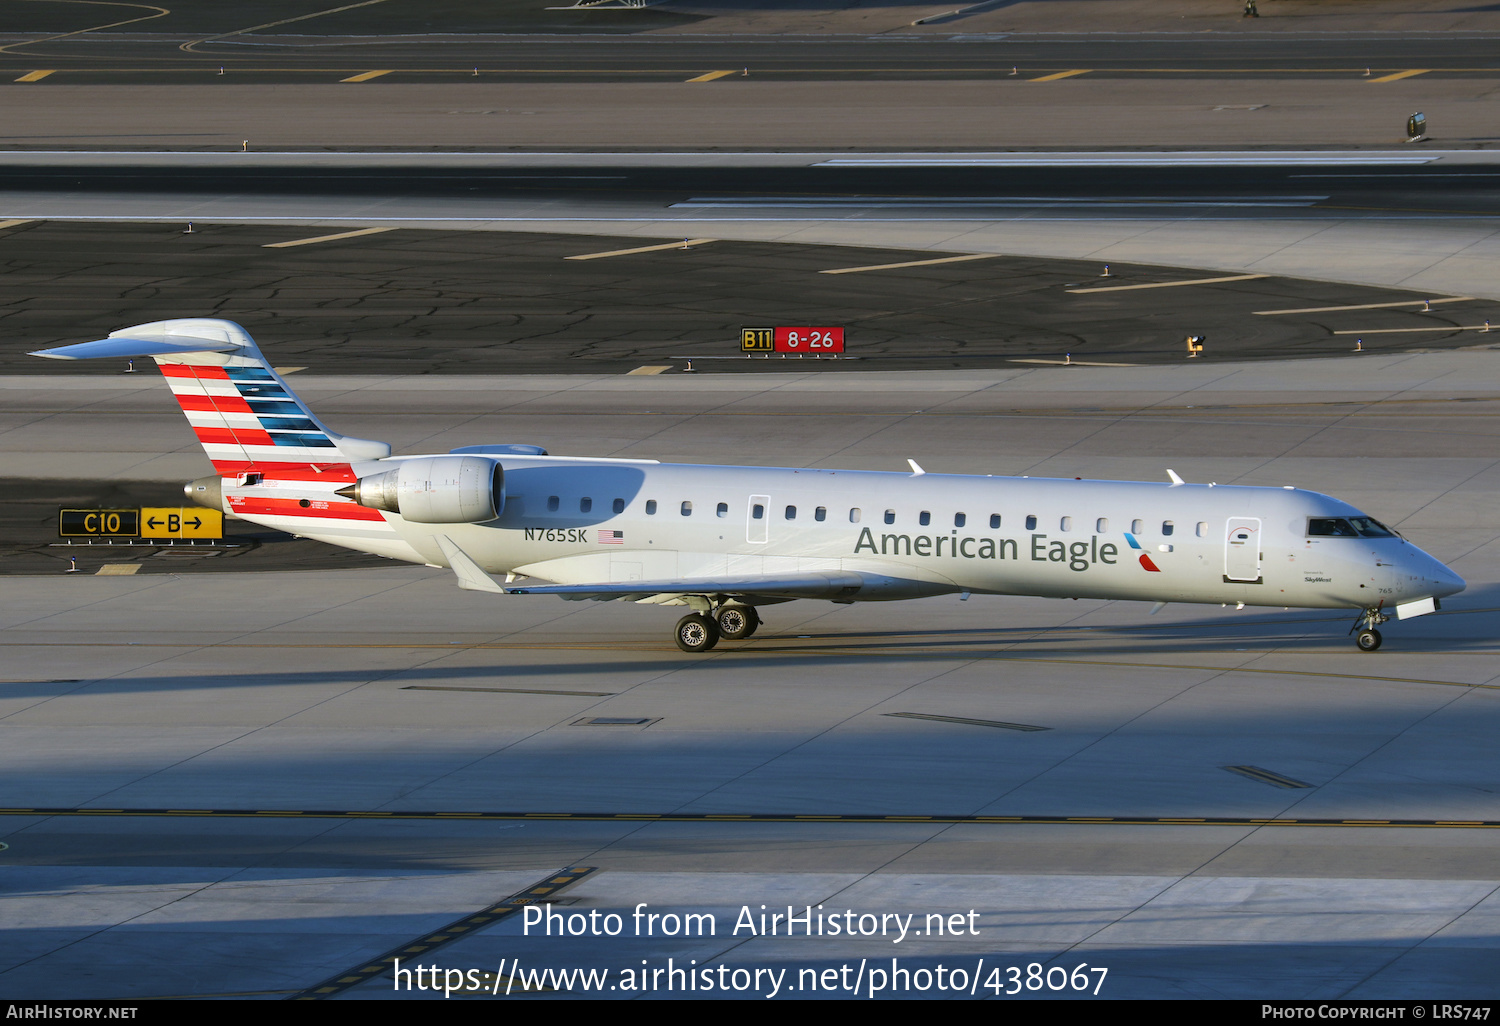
244 415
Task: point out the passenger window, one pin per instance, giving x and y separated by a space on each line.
650 507
1102 525
758 512
854 514
1137 527
619 506
687 509
723 509
552 503
585 504
1202 529
820 514
1166 528
791 512
960 519
994 521
924 518
1031 523
1067 523
890 516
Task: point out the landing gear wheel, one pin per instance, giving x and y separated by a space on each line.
696 633
1368 640
737 622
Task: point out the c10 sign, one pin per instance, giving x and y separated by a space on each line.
792 340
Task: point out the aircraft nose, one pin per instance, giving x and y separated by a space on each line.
1438 580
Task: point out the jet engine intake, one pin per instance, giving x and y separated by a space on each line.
435 490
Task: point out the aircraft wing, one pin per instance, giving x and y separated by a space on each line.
823 585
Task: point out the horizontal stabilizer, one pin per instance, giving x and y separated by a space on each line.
122 348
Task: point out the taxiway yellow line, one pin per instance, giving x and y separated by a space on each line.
711 76
35 76
16 222
1364 306
326 238
911 263
1170 284
651 369
365 77
684 244
1400 75
1061 74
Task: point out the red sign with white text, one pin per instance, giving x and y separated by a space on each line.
809 340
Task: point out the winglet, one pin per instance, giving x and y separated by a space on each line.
470 576
916 471
1175 479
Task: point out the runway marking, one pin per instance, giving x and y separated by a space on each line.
964 719
684 244
657 368
1266 776
1061 74
711 76
16 222
1401 331
1398 76
35 76
912 263
365 77
1170 284
188 47
1071 363
326 238
117 570
483 919
535 892
512 691
1367 306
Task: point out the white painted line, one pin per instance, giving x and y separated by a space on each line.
1171 284
994 202
684 244
911 263
1399 331
1132 160
1367 306
326 238
650 369
1073 363
16 221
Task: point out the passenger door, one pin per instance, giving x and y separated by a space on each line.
1242 544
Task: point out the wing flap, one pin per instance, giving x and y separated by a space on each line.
829 585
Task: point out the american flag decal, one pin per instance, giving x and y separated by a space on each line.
611 537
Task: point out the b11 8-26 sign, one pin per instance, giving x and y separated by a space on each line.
792 340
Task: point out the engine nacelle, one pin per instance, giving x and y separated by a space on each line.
436 490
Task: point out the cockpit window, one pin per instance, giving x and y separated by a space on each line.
1347 527
1369 528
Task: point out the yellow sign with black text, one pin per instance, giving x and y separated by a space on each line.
181 522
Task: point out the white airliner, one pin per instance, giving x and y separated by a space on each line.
723 541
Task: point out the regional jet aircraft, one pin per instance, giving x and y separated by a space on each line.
724 541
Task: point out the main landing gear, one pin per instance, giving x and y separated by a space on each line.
699 632
1369 638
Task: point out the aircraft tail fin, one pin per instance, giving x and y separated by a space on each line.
245 415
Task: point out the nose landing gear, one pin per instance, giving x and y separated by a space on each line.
1369 638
